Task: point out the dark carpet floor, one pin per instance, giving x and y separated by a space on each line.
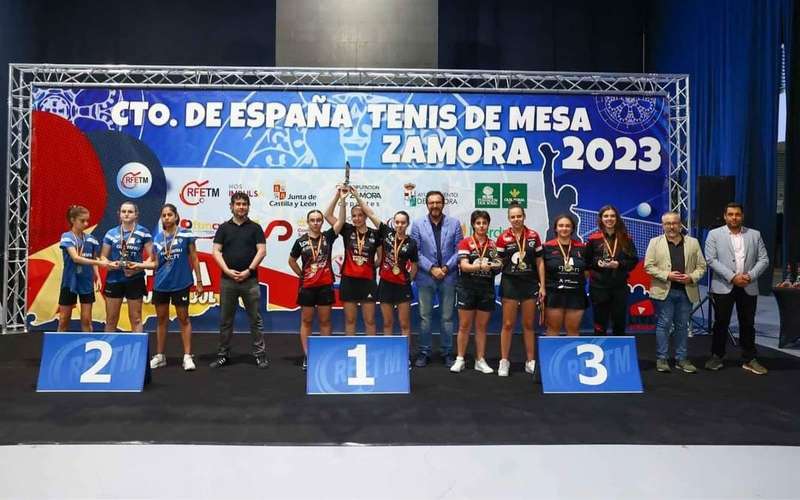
240 404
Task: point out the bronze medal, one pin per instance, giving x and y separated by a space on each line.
313 267
395 270
522 265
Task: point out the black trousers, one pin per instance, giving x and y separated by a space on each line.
745 312
609 304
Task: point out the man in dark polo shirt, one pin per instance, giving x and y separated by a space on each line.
675 264
239 247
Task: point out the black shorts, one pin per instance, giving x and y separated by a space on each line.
566 299
470 299
394 293
518 288
316 296
133 289
68 298
357 290
177 297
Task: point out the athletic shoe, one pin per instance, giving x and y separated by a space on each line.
662 365
262 362
188 363
755 367
219 362
421 361
449 360
305 363
458 365
482 366
530 366
714 363
686 366
158 361
503 367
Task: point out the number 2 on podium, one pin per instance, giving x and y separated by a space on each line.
359 352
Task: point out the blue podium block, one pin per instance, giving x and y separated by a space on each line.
92 362
589 364
357 365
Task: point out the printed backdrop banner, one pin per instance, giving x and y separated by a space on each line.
554 153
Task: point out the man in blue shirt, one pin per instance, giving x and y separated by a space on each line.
437 237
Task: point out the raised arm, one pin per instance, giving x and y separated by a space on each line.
339 223
329 217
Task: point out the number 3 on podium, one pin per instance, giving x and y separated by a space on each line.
595 362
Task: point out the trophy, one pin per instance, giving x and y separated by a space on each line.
796 283
787 277
346 173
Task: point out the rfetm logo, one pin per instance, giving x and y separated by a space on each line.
195 192
134 180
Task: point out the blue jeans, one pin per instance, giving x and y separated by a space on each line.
672 319
447 300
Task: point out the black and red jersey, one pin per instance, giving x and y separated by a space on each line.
406 253
508 249
597 250
565 274
316 264
359 263
470 249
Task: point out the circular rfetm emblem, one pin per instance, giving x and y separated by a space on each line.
630 114
134 180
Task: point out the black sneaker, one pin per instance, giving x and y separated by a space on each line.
305 363
421 361
449 360
219 362
262 362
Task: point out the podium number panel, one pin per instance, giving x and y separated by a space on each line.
589 364
357 365
92 362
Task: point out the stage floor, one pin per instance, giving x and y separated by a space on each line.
240 404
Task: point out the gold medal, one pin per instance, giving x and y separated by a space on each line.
522 265
611 253
396 246
315 253
358 257
568 268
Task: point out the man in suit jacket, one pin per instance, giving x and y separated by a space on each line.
738 256
437 237
675 265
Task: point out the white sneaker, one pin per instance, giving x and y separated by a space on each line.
188 362
482 366
458 365
158 361
502 369
530 366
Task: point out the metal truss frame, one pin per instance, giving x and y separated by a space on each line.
23 77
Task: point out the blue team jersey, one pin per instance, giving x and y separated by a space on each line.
173 273
134 243
78 278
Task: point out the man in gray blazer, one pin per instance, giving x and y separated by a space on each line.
738 256
437 237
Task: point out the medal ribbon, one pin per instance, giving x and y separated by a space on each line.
521 245
482 250
396 244
360 242
315 252
613 252
125 241
563 254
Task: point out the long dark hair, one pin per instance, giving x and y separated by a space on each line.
620 230
174 210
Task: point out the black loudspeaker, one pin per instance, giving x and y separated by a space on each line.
713 193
